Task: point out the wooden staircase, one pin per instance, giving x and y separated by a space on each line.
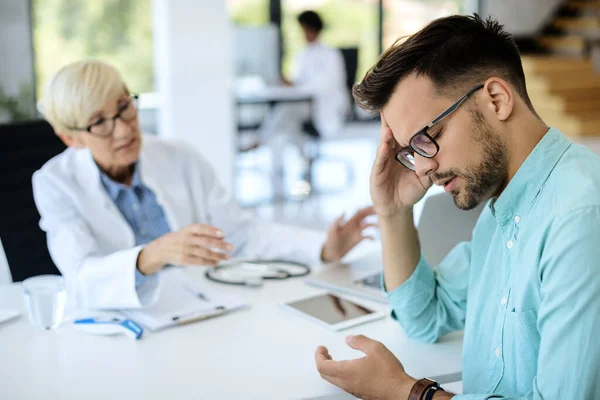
574 30
565 92
563 83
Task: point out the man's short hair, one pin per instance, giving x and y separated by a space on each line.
455 52
311 20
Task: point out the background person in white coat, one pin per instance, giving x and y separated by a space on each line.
117 206
319 70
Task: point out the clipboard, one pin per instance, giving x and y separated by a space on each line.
202 317
182 301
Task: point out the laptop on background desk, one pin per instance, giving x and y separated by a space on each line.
441 226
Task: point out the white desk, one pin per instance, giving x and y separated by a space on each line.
272 95
261 353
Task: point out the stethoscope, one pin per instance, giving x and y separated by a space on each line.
253 273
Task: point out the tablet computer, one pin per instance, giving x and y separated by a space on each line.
333 311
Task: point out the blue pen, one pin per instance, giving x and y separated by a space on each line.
110 326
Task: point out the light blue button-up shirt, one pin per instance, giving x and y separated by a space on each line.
138 205
526 289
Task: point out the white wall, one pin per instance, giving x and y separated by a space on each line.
520 17
16 55
193 70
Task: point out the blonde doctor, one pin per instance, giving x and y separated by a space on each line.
118 206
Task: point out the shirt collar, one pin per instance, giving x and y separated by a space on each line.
114 188
533 173
314 45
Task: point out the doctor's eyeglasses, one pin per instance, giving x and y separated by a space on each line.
104 127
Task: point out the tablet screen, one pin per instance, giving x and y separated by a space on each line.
330 308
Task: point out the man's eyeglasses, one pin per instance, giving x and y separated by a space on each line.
104 127
423 142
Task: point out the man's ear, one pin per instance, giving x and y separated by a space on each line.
501 98
69 140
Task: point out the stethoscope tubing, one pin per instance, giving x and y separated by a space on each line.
281 274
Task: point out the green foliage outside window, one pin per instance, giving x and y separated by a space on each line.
117 31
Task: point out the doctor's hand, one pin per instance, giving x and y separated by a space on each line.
393 186
344 235
195 244
377 375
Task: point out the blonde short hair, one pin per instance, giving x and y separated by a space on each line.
78 90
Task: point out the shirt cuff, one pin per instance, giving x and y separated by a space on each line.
140 278
475 396
414 292
148 289
318 242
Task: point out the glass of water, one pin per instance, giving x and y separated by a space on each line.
45 298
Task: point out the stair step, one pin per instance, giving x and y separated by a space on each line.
566 94
589 82
570 45
554 64
584 5
585 75
577 23
559 104
572 126
589 27
585 9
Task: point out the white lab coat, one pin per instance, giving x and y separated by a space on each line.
320 69
93 245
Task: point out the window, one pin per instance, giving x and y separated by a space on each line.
405 17
117 31
248 12
348 23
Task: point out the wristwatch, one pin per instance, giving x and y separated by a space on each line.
431 392
421 387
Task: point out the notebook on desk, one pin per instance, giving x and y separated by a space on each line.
181 301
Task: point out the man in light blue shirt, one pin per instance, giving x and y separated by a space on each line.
525 289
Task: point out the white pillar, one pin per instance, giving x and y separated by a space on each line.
193 70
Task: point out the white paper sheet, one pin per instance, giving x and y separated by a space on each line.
182 300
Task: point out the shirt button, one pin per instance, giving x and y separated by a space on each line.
504 301
510 244
498 352
517 219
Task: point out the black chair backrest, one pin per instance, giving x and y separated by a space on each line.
350 55
25 147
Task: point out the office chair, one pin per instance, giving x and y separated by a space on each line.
442 225
312 151
26 146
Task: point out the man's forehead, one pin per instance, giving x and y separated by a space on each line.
411 107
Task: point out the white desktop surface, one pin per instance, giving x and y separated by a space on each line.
264 352
273 93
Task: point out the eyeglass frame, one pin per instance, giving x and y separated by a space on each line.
133 101
423 131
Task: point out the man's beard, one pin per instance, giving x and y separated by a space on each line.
482 181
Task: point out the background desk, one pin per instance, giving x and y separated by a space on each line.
271 96
264 352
